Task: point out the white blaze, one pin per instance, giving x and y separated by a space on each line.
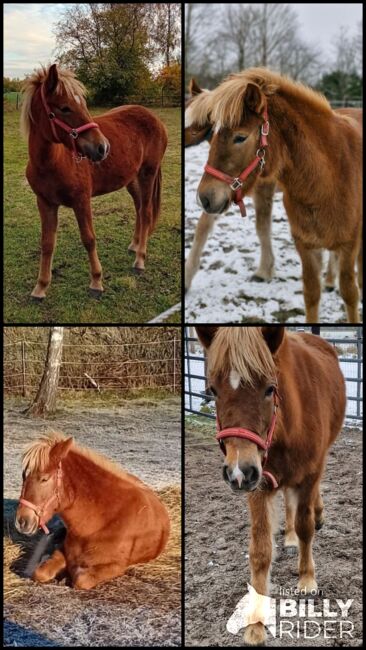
234 379
77 99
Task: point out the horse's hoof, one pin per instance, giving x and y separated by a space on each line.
37 299
257 278
138 271
95 293
131 251
291 550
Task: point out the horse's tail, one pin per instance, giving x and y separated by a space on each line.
156 199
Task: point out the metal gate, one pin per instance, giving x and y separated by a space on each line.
348 342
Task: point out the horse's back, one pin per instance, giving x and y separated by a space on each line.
319 379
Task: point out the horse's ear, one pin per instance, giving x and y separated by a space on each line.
194 88
206 334
60 450
254 98
273 335
52 79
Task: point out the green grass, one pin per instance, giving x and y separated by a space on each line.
128 298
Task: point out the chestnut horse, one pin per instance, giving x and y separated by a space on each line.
72 158
113 520
280 404
267 127
262 193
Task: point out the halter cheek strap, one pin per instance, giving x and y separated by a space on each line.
236 182
246 434
40 510
73 132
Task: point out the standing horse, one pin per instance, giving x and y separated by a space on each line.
280 404
113 520
72 158
269 129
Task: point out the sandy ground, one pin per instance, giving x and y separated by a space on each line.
223 290
217 539
143 606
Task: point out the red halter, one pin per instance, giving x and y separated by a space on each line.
236 183
73 132
39 510
238 432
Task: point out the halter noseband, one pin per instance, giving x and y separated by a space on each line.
239 432
73 132
39 510
236 183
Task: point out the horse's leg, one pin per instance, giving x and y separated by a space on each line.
48 214
291 540
133 189
260 554
347 281
146 182
330 278
87 578
318 510
305 528
203 229
311 275
263 200
50 568
84 218
360 267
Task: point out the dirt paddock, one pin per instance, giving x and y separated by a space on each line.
143 607
217 543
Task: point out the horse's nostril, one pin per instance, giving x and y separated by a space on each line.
102 149
205 203
251 474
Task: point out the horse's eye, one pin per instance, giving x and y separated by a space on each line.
44 479
65 109
239 138
269 391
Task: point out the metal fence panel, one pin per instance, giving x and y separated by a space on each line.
348 342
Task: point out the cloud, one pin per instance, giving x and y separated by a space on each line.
28 37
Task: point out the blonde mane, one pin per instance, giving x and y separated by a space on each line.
66 83
244 350
36 457
224 105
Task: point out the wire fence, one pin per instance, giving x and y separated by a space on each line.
100 367
347 341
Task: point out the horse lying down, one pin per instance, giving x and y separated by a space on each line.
113 520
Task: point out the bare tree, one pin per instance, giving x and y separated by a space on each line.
45 400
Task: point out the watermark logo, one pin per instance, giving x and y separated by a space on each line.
294 618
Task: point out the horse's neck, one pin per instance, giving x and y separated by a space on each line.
298 142
42 152
86 492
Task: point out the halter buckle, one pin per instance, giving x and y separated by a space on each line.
265 128
74 134
51 116
236 184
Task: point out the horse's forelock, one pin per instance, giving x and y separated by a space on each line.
36 456
244 350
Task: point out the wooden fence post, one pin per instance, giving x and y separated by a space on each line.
24 392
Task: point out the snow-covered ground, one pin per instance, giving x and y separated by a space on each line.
222 291
196 367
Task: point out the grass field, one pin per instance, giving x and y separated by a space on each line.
128 298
